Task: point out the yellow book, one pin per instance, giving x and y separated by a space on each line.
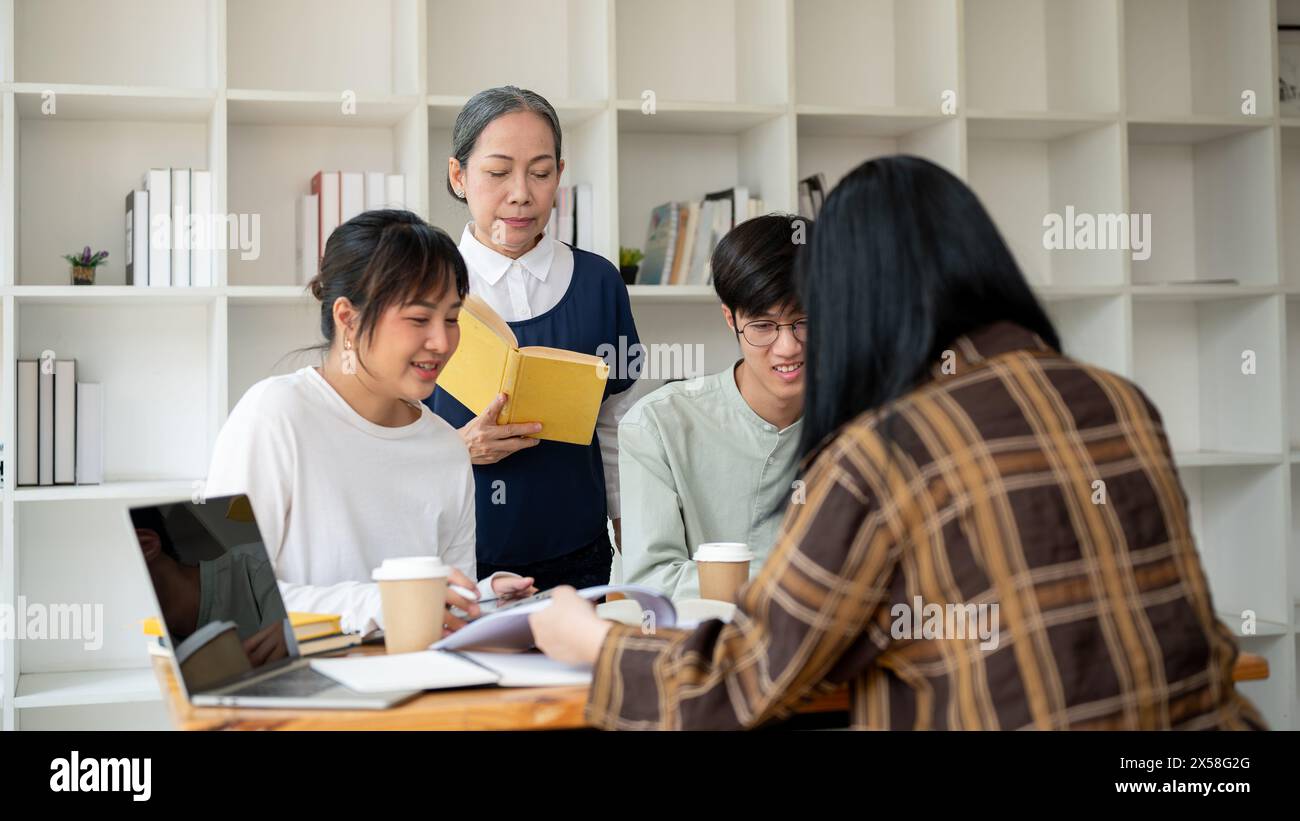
561 389
306 626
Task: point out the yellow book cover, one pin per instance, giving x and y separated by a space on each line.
561 389
305 625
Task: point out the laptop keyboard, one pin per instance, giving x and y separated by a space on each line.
299 682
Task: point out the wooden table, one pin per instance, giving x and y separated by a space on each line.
479 708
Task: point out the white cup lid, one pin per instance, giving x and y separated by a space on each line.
723 552
411 567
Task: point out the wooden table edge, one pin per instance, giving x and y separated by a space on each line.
479 708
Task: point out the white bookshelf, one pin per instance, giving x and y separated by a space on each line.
1109 106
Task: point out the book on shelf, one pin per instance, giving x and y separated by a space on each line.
342 195
203 232
396 191
352 195
137 238
660 244
572 215
583 229
376 190
682 235
812 193
170 237
65 422
561 389
90 434
673 274
307 240
564 205
45 424
158 183
28 420
60 425
180 227
325 185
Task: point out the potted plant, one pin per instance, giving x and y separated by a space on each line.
629 260
84 265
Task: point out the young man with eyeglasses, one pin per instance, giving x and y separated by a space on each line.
713 459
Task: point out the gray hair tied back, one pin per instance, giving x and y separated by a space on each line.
486 106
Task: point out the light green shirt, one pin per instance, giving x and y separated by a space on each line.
696 464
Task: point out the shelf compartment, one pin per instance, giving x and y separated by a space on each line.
1198 56
265 340
1042 55
1093 330
1212 203
563 54
271 166
658 168
1022 181
1238 520
324 45
886 53
74 174
1188 358
158 384
172 39
94 540
727 51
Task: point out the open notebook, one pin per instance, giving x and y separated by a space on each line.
466 658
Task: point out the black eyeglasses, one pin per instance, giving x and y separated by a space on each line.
763 332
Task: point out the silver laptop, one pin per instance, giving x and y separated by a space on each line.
222 614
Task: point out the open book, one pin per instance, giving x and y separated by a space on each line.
561 389
506 628
486 651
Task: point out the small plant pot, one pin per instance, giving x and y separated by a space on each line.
629 273
83 275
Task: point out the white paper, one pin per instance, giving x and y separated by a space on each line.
425 670
531 669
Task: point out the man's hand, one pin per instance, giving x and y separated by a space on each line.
489 442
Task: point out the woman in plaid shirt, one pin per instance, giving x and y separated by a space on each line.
955 461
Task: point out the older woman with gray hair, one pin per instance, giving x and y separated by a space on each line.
541 506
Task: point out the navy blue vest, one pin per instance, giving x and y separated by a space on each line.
554 493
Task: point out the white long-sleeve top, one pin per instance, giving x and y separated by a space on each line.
335 494
523 288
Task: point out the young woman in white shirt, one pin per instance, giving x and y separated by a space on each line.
343 465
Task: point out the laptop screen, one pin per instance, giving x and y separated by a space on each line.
217 595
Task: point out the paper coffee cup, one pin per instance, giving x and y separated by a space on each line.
723 568
413 592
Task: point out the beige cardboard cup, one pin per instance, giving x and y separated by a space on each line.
413 592
723 568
